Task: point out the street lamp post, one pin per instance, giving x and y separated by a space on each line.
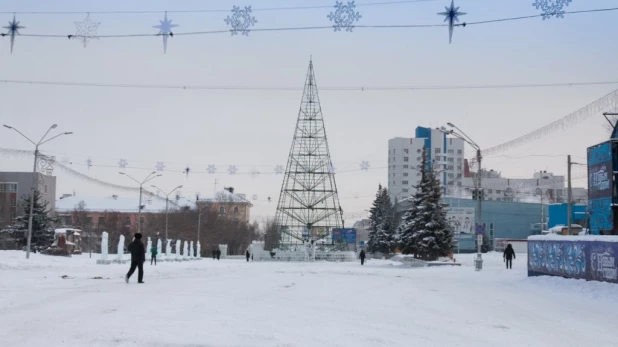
148 178
166 205
461 135
34 175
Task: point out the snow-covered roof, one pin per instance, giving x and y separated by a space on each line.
225 196
118 204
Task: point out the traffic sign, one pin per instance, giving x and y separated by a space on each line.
479 229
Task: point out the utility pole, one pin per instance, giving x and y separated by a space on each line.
167 201
569 195
148 178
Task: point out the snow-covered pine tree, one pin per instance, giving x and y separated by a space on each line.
410 220
42 224
382 221
425 231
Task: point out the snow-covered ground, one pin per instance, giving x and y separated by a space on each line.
234 303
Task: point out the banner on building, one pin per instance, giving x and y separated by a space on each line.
346 235
461 219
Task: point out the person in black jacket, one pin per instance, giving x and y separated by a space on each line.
362 256
138 257
218 254
248 256
509 255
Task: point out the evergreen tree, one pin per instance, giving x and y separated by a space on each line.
42 224
381 236
425 231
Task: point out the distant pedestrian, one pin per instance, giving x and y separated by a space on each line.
362 256
508 256
153 255
248 256
138 257
218 254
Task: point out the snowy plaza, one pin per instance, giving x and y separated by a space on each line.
58 301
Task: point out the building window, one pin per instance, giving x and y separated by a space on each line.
405 151
405 159
101 221
46 189
451 167
450 160
459 151
438 150
141 220
405 174
498 192
451 175
459 184
221 209
418 150
489 191
2 187
404 190
404 183
235 210
127 221
394 159
459 167
393 151
418 158
450 151
405 166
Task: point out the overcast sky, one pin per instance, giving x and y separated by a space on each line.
253 129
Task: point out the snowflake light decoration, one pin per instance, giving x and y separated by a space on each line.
333 169
211 169
279 169
89 163
86 30
364 165
186 171
123 163
240 20
254 197
344 16
255 173
160 166
452 16
232 170
551 7
165 30
13 28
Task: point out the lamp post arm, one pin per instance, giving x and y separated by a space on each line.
46 141
24 136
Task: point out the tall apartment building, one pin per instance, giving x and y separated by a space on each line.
14 185
404 161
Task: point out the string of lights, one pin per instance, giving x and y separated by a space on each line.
295 89
264 9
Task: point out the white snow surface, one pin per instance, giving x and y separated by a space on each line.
553 237
235 303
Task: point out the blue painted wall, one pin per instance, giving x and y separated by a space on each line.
558 214
425 133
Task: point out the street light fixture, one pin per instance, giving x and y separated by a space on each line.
34 175
461 135
166 205
148 178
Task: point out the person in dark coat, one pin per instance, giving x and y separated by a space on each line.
153 255
362 256
138 257
218 254
509 255
248 256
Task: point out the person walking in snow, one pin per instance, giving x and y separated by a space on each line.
248 256
218 254
138 257
153 255
362 256
508 256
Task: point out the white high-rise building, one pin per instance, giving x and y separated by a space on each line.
404 161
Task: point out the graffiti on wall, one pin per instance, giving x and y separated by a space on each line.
600 182
591 260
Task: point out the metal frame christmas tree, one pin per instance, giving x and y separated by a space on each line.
308 207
